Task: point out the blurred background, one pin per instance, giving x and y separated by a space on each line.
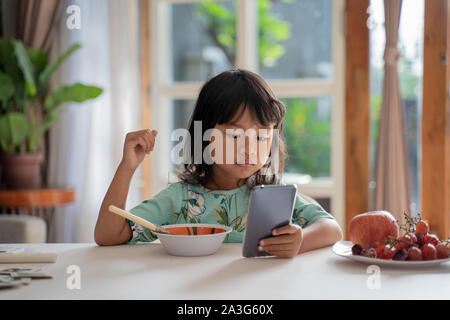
150 58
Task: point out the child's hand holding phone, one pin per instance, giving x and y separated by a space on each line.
285 243
137 145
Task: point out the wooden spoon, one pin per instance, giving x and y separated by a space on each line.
136 219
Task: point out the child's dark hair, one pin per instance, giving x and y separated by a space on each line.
218 102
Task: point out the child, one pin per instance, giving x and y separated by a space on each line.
219 192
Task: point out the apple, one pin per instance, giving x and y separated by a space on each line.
372 229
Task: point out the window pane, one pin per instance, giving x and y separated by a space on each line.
294 39
410 69
203 39
307 132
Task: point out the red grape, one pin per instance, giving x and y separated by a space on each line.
443 251
357 250
380 252
419 237
413 237
414 254
431 238
385 252
422 227
390 253
429 252
403 242
400 254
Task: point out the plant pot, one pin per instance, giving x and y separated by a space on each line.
22 171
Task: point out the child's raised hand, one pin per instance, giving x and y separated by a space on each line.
285 243
137 145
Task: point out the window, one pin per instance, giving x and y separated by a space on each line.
296 45
410 69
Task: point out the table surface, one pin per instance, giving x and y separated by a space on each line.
145 271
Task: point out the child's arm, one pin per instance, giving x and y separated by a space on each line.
322 233
112 229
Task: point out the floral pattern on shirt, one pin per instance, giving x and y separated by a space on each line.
226 216
181 202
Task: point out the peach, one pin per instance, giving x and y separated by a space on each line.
372 229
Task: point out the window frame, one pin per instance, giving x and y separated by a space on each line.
161 92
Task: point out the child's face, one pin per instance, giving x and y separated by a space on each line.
247 144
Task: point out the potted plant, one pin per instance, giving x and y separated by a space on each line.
28 109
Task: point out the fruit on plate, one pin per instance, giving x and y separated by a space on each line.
431 238
414 254
429 252
443 251
357 250
404 242
400 254
385 252
372 229
373 236
422 227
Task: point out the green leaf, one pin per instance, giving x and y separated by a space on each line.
13 70
49 119
6 87
13 130
26 67
74 93
38 58
44 76
6 50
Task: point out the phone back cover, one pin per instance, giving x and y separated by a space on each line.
270 207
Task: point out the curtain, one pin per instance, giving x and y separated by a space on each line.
392 177
36 20
86 143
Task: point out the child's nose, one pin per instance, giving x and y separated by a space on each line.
250 149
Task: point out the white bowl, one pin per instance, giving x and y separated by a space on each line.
193 245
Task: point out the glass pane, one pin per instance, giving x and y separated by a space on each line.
294 39
410 68
307 132
202 39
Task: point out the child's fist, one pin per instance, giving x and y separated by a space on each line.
137 145
285 243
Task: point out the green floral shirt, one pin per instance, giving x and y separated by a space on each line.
181 202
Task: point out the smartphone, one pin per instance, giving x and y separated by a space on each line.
270 207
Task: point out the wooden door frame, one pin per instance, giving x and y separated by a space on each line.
436 117
357 109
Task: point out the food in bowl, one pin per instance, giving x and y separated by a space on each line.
193 230
193 239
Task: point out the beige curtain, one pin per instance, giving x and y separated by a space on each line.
36 20
392 175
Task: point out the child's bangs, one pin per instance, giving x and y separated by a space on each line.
267 110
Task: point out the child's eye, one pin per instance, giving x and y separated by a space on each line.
233 136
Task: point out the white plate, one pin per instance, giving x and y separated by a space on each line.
344 249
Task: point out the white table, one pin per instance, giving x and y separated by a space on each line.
147 272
